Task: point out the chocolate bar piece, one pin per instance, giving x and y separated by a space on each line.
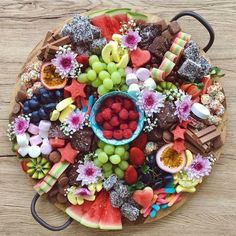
48 35
174 27
209 137
205 131
163 24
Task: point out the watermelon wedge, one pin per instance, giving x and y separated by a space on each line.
92 217
110 218
120 14
77 211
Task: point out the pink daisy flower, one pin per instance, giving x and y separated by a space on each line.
65 63
150 101
75 119
130 40
183 107
21 124
199 167
88 173
83 192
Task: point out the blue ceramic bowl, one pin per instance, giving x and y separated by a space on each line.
96 127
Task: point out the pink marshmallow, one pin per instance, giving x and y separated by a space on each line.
35 140
46 148
33 129
44 125
143 74
128 70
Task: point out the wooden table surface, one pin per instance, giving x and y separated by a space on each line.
211 211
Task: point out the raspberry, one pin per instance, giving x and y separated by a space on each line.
99 118
107 114
116 107
123 126
124 114
133 115
83 59
107 134
128 104
136 156
118 134
127 133
119 99
108 102
107 126
133 125
114 121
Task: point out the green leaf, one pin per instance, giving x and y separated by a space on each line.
145 169
216 72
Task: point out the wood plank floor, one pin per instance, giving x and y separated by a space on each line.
212 210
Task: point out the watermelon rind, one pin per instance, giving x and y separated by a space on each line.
118 11
137 16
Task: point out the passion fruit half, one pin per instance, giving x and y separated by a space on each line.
50 79
169 160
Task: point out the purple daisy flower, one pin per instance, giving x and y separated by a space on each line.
183 107
88 173
75 119
130 40
150 101
83 192
199 167
20 125
65 63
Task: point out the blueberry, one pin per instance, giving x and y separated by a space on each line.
34 98
35 118
146 178
42 91
51 94
33 104
45 98
49 107
152 160
158 184
26 103
58 93
26 110
43 115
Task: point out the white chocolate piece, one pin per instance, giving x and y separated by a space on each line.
23 151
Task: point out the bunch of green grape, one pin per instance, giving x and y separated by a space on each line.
112 159
104 77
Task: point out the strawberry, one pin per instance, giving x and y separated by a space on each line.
107 114
114 121
131 175
127 133
128 104
133 125
83 59
140 141
99 118
116 107
24 166
118 134
124 114
133 115
123 126
107 126
136 156
107 134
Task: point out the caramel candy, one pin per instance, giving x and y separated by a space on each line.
21 96
167 34
54 157
174 27
61 198
53 192
163 24
63 181
16 108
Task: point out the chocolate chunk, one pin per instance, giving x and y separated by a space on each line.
82 140
167 35
155 134
166 117
174 27
163 24
55 131
217 143
54 157
63 181
190 70
61 198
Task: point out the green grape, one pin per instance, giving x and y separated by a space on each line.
108 84
111 67
109 149
102 90
104 66
122 72
101 144
125 157
97 162
97 66
82 78
124 88
123 165
107 173
96 83
99 150
120 173
120 150
126 147
88 69
102 157
92 75
93 59
115 77
115 159
107 167
103 75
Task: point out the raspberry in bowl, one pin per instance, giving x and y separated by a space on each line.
116 119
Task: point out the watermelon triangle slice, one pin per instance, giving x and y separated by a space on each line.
77 211
110 218
92 217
